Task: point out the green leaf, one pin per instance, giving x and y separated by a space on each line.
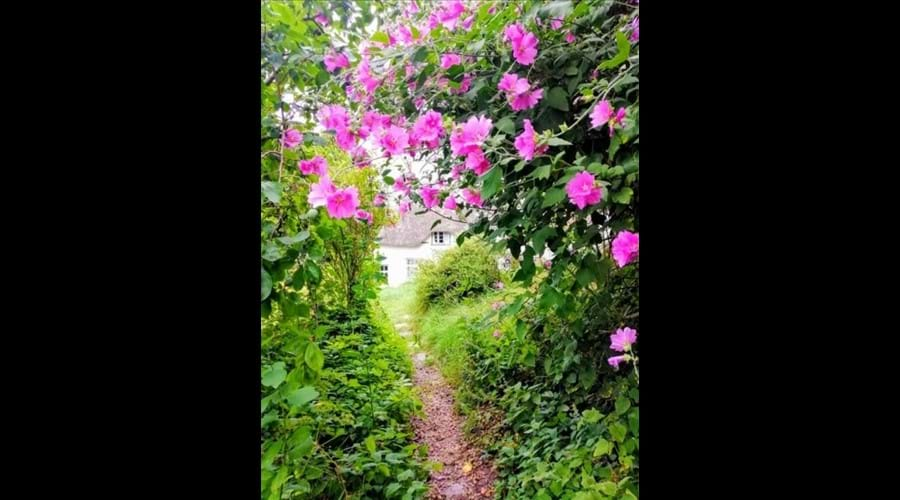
314 357
491 181
584 276
322 78
506 125
607 488
272 190
624 51
302 396
370 444
587 377
274 375
266 285
591 416
623 196
556 141
603 447
388 180
622 405
540 237
618 431
391 489
557 98
313 272
541 172
552 298
381 36
552 197
572 70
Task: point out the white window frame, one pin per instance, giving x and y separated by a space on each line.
440 238
384 270
412 265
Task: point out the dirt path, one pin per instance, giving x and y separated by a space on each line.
465 474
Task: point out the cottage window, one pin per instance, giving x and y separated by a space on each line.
440 238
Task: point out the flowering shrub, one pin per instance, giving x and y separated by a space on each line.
523 115
460 272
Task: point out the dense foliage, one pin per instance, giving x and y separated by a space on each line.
521 114
463 271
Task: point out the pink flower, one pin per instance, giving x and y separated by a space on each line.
518 92
411 9
497 334
467 22
601 114
291 138
570 38
499 286
582 190
450 13
512 84
342 203
345 139
404 207
448 60
405 35
455 171
548 264
556 23
635 31
625 248
363 215
524 43
365 77
450 203
492 10
401 186
622 340
615 360
333 117
472 197
379 200
526 100
470 136
429 127
334 61
429 196
419 102
525 142
464 84
476 162
395 140
319 192
317 165
617 120
321 19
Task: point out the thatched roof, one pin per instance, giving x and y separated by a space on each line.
413 230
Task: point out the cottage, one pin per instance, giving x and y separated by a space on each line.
413 239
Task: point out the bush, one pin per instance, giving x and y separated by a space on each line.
464 271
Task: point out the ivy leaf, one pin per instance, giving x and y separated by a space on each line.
381 36
302 396
314 358
540 237
602 448
557 98
541 172
618 431
272 253
556 141
607 488
266 285
584 276
623 196
591 416
552 298
272 190
290 240
274 375
506 124
491 182
622 405
370 444
624 51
